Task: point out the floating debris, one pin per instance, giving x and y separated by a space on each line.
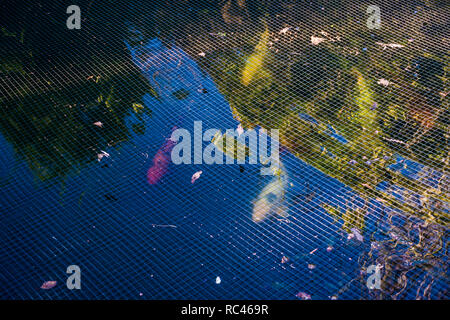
383 82
163 225
375 245
98 124
284 259
138 108
218 280
394 140
101 155
218 34
311 266
239 129
312 252
202 54
284 30
329 248
195 176
48 285
316 40
303 296
355 234
389 45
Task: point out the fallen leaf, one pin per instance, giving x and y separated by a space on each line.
316 40
383 82
355 233
48 285
195 176
303 296
101 155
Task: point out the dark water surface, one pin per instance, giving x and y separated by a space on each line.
93 206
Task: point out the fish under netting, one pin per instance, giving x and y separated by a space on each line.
233 149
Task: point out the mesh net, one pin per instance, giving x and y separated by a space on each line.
360 190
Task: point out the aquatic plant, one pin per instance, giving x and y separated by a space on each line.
411 255
342 94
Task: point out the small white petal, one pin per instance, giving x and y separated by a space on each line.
316 40
195 176
240 130
384 82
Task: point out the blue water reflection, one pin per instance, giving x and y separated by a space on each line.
173 239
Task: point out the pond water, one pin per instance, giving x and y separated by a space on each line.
331 213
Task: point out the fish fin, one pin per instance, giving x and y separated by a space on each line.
282 211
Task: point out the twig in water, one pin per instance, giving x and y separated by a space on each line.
163 225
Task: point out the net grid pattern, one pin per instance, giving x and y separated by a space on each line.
363 120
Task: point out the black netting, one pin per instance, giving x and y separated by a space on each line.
87 175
